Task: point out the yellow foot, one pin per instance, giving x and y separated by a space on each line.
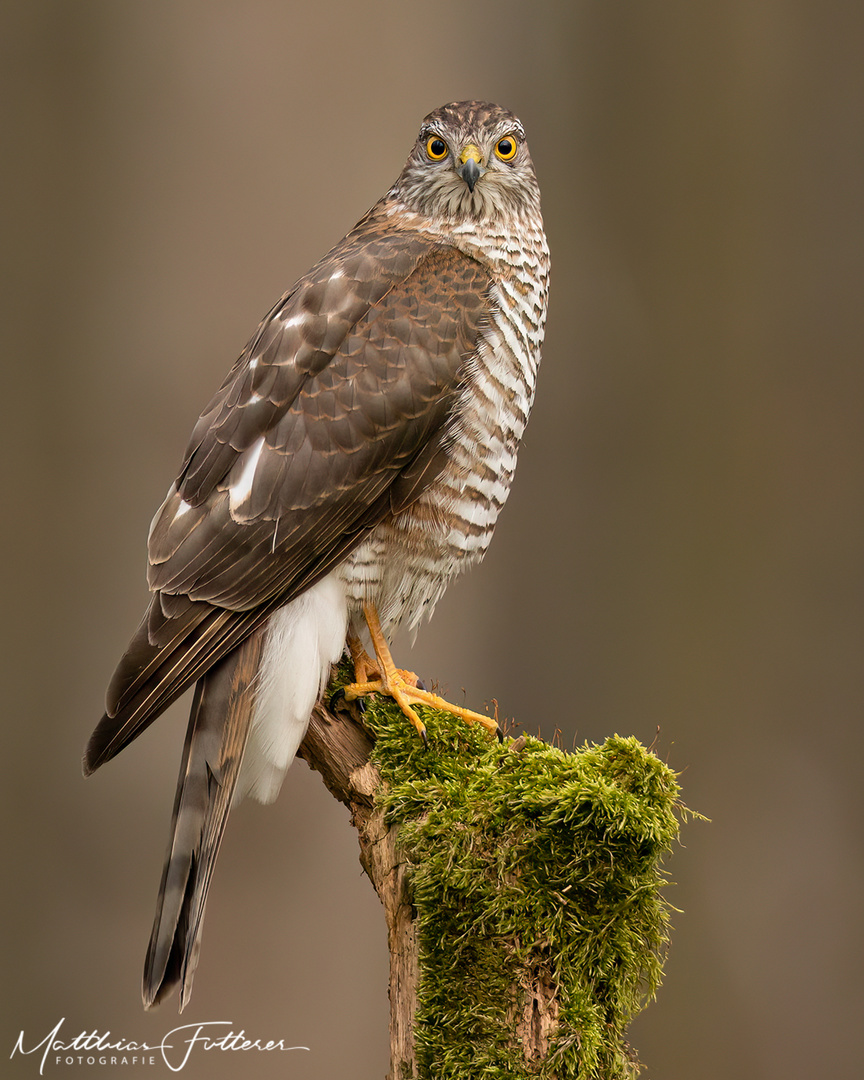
368 670
398 684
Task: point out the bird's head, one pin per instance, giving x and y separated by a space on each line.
470 161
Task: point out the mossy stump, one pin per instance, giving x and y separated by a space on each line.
521 886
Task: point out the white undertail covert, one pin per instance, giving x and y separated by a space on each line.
304 639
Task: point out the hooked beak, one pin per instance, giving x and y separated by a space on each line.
471 167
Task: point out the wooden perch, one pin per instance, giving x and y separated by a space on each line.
338 747
520 885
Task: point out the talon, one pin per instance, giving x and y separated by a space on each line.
403 686
340 700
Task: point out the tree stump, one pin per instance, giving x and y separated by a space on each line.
521 888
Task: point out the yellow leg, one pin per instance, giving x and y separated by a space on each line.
366 669
398 684
364 665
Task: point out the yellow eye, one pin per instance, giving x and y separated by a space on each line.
506 148
436 148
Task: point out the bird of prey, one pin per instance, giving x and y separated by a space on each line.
353 461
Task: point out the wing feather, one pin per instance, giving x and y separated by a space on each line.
350 382
353 430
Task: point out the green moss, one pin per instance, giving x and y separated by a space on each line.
529 866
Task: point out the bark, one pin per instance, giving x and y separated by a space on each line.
338 747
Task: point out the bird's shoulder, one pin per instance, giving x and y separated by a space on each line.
333 417
381 272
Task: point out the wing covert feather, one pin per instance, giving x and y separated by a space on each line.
317 478
335 416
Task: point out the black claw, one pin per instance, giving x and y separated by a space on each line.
339 701
425 739
500 734
422 685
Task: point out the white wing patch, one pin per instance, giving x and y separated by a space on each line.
244 471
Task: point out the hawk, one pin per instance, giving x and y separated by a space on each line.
353 461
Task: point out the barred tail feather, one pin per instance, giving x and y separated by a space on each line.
215 742
249 715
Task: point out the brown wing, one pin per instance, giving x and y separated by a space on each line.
323 427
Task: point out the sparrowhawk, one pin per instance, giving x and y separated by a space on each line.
354 460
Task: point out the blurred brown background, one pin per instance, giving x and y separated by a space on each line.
683 547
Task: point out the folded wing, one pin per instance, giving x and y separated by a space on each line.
335 416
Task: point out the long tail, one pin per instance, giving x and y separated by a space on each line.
219 724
